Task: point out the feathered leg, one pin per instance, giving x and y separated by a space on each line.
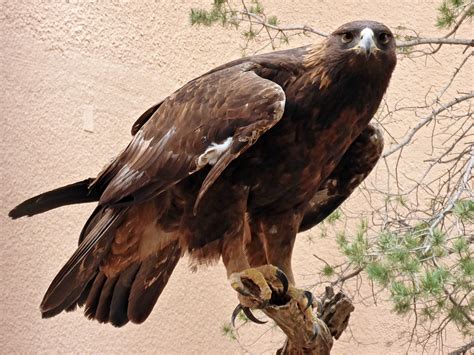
233 254
278 235
270 280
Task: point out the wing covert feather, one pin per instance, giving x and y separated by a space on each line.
231 103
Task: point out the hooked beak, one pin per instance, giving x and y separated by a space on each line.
367 43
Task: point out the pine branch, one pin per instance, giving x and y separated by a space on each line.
224 13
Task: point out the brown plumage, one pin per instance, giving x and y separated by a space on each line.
233 164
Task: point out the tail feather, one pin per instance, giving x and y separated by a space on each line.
103 307
150 282
93 295
131 295
119 303
74 277
77 192
128 295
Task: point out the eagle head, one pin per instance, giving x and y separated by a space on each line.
362 50
364 45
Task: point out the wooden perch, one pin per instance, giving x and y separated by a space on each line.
307 334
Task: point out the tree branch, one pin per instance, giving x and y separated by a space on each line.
434 40
400 44
312 335
424 121
299 28
445 39
344 278
461 19
256 19
463 349
454 302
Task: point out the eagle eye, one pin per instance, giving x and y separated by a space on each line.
347 37
384 38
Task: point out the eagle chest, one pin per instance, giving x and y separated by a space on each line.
287 165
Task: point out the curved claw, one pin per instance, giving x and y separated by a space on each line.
309 298
235 313
284 280
316 332
248 313
319 306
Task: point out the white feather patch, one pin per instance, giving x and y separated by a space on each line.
213 153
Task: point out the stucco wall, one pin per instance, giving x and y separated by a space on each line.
72 67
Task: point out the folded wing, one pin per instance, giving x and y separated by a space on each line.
210 120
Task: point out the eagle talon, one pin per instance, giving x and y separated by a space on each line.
248 313
284 281
319 306
309 298
316 332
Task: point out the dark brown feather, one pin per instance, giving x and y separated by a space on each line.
234 102
82 298
78 192
93 297
354 167
150 281
82 266
119 304
103 307
144 118
90 223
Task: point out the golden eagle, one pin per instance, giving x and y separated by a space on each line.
233 164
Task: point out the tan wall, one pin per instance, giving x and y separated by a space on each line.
64 63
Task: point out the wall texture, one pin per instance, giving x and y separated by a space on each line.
75 75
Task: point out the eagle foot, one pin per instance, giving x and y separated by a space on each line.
257 287
266 286
305 299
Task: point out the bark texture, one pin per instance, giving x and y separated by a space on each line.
310 334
